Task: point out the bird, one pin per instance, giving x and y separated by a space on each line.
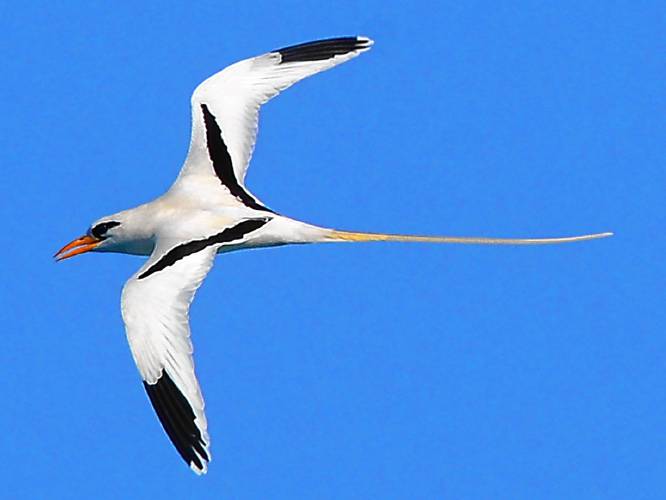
208 211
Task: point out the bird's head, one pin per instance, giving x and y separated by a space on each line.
102 236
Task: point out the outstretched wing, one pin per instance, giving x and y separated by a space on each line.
225 107
155 308
155 305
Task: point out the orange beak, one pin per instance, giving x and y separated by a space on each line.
78 246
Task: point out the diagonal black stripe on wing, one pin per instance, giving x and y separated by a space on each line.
222 164
230 234
322 49
177 418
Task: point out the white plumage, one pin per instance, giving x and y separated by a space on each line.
207 211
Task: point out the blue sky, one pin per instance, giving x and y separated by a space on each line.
338 371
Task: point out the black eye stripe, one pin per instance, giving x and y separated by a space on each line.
100 229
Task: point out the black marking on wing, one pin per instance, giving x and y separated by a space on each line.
322 49
177 418
222 164
230 234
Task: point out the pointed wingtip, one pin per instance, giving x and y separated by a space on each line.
180 422
199 471
320 50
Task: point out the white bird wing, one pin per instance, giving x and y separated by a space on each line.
155 306
225 107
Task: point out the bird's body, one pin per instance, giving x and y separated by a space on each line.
207 211
178 217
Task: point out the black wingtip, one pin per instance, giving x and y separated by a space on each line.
324 49
178 420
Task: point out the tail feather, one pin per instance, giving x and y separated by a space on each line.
335 235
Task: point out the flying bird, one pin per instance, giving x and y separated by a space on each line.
207 211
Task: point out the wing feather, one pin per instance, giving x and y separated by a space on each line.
234 95
156 315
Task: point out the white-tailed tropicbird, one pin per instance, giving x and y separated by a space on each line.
207 211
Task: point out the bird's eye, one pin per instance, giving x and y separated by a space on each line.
99 231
